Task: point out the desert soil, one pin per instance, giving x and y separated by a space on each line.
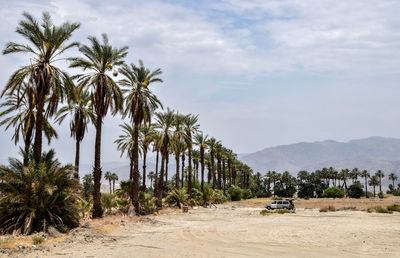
235 230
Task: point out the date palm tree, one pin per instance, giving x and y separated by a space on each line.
151 177
212 144
21 113
201 140
82 114
190 127
373 181
177 143
114 177
99 59
365 175
392 177
108 176
379 174
146 135
49 83
140 104
164 122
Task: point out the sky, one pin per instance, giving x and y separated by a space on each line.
259 73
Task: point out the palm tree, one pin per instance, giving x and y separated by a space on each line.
212 144
114 177
164 121
100 58
82 114
21 109
147 134
178 144
374 182
392 177
151 177
140 104
190 126
365 175
108 176
201 140
49 83
380 175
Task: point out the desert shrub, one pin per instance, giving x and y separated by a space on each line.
307 198
275 198
207 194
37 240
122 204
284 211
147 204
383 210
85 206
332 192
327 208
218 197
38 195
394 207
177 197
381 195
123 190
370 210
87 186
267 212
197 197
246 194
356 190
108 201
235 193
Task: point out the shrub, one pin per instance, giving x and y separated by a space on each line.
246 194
235 193
108 201
267 212
147 204
394 207
176 197
38 195
333 192
381 195
37 240
218 197
383 210
197 197
327 208
356 190
207 194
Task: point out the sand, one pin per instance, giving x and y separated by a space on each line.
236 230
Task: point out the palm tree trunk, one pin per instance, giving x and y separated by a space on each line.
380 184
183 169
97 209
135 182
156 178
160 183
28 140
177 171
213 169
37 147
374 192
109 181
202 168
144 171
208 173
229 173
190 171
223 174
366 188
219 171
166 173
113 186
77 151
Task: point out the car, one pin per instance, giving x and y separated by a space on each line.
280 204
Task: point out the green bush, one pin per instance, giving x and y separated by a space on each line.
108 201
235 193
383 210
267 212
394 207
356 190
36 196
147 204
218 197
197 197
332 192
37 240
246 194
177 198
207 195
381 195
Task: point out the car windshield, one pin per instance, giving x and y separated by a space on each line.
274 202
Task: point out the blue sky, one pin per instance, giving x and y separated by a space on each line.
259 73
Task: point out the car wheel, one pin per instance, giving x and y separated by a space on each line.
268 208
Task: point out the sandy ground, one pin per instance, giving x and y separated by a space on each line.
236 230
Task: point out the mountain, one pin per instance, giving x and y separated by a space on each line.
371 153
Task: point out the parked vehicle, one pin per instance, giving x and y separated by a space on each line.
280 204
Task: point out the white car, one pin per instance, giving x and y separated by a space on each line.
280 204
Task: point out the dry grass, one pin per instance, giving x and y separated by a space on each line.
330 208
14 242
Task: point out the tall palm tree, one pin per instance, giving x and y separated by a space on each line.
20 106
164 122
157 149
178 144
212 145
108 176
147 134
380 175
49 83
114 177
99 59
140 104
374 182
191 127
365 175
151 177
201 140
82 114
392 177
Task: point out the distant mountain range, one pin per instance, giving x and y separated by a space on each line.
371 153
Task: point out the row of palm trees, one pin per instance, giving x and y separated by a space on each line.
34 93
